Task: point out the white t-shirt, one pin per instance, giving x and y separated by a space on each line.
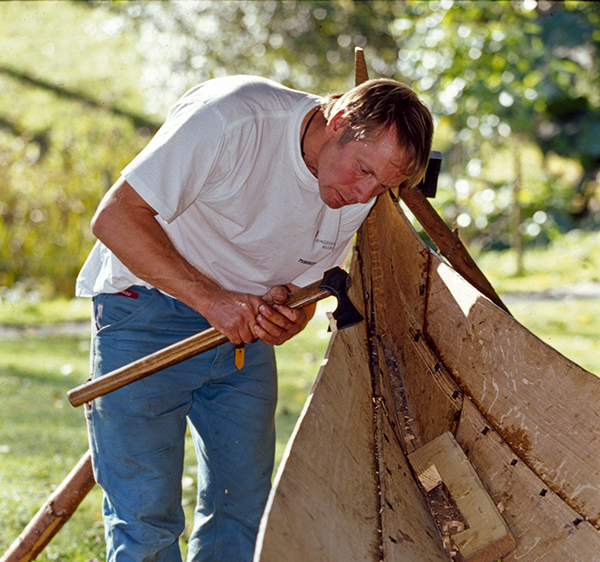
227 179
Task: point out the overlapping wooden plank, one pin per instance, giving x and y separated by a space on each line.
324 505
545 406
544 526
485 537
401 267
398 264
409 533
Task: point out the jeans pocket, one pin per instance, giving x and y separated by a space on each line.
113 311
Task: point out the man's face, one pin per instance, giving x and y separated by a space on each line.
358 171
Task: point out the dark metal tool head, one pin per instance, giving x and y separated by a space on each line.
337 282
428 185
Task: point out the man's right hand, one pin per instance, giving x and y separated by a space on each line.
234 314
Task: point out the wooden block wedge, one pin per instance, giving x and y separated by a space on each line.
485 537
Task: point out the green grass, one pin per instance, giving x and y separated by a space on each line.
571 326
35 312
571 259
42 436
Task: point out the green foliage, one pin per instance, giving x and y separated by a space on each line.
492 74
79 80
63 143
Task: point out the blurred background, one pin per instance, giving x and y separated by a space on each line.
513 86
515 92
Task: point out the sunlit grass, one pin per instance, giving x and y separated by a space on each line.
42 436
31 311
555 276
571 326
570 260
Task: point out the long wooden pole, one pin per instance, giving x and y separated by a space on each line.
446 240
53 514
176 353
449 244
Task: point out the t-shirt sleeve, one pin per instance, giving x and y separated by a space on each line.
170 172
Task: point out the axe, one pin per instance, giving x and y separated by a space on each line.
335 282
67 497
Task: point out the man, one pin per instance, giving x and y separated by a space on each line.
249 190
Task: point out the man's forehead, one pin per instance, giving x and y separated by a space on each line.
388 157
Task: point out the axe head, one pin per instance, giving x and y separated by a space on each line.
337 282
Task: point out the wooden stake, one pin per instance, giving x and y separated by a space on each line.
446 240
53 514
360 67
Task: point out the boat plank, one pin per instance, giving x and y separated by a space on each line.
398 266
324 503
544 406
409 533
408 530
544 526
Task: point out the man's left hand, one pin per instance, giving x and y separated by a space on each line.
277 323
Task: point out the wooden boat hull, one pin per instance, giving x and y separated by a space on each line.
435 358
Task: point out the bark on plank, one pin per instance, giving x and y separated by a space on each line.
399 292
408 530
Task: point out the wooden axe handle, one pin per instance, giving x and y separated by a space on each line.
176 353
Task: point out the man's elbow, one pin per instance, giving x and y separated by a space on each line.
99 225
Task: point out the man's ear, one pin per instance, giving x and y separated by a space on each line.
337 122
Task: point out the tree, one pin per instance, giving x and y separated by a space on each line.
511 85
492 72
68 124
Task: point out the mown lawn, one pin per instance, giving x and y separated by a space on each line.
42 436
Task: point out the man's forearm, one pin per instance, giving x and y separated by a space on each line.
127 226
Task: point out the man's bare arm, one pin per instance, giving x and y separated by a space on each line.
126 224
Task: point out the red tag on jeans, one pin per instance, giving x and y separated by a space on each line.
128 293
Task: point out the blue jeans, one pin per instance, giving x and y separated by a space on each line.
137 435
